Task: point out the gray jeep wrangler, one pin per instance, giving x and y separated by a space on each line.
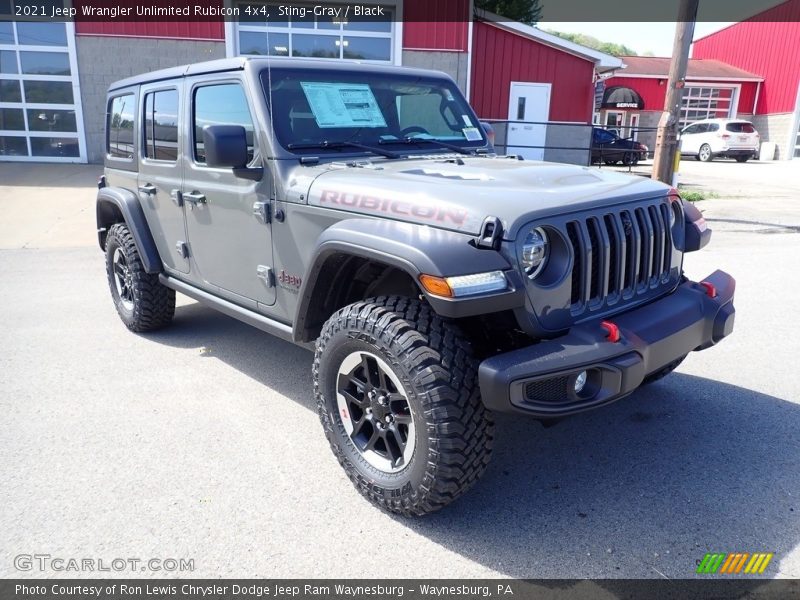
361 211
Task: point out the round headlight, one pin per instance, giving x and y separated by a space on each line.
672 216
534 252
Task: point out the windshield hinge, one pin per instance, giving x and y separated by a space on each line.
263 212
491 234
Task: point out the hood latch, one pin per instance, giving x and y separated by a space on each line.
491 234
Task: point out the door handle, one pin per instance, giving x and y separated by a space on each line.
147 189
195 198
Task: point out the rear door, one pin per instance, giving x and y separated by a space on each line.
230 242
160 172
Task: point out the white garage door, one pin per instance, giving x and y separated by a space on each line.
40 116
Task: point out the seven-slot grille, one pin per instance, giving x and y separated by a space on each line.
620 255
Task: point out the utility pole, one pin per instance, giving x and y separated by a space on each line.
667 136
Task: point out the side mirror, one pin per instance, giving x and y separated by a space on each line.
225 146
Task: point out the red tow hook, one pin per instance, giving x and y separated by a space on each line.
612 331
711 291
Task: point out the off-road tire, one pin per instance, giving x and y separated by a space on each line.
153 304
437 367
663 371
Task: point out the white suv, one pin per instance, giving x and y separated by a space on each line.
731 138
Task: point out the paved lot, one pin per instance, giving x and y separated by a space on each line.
201 441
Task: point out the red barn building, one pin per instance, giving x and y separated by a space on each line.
767 44
714 89
749 70
54 76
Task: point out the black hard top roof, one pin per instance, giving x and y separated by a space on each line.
239 63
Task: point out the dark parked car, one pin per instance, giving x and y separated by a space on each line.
609 148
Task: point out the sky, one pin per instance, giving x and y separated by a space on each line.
642 37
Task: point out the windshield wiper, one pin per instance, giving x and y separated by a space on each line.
326 144
438 142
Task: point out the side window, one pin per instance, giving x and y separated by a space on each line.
691 129
161 125
712 127
119 127
222 104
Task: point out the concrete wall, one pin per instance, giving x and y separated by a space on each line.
103 60
455 64
560 137
777 129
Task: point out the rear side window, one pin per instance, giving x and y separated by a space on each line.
740 128
222 104
119 127
161 125
713 127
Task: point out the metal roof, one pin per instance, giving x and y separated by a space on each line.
658 66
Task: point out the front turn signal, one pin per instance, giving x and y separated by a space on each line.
437 286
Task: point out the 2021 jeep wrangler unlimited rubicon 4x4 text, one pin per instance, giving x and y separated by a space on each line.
361 210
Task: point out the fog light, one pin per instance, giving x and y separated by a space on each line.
580 381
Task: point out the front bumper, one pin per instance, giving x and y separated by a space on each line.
540 380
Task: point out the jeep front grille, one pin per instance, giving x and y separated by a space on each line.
620 255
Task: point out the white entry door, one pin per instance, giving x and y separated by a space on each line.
529 103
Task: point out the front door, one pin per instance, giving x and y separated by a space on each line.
633 130
229 238
614 121
160 174
528 111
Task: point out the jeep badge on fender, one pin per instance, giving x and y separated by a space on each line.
361 211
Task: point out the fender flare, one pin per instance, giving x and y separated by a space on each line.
112 202
415 250
697 234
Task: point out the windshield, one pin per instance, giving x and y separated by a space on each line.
332 111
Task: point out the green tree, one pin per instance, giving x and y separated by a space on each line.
524 11
592 42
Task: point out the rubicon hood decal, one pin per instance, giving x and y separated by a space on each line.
416 209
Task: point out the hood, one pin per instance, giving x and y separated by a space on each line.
459 193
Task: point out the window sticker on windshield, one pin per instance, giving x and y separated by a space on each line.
343 105
467 120
472 134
